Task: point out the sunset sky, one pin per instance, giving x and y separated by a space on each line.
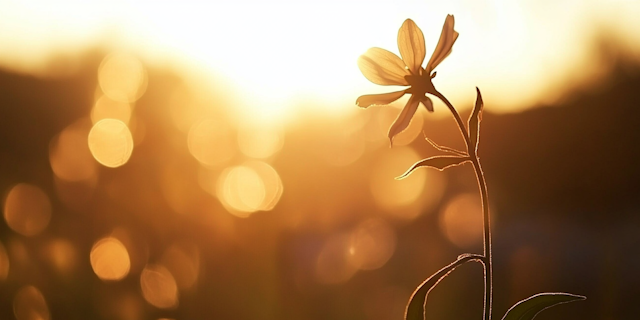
273 55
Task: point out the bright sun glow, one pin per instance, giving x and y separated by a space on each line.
275 55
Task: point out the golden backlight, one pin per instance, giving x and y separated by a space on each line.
110 259
274 53
260 140
211 141
122 78
249 188
111 142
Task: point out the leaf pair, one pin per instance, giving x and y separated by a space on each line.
459 157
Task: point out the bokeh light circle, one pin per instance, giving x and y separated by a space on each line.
110 259
122 77
62 255
253 186
372 244
29 304
333 264
461 220
69 154
241 189
27 209
159 287
272 184
111 142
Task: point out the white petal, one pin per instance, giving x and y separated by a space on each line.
411 45
404 118
383 67
379 99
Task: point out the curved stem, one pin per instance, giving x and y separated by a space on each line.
456 115
482 185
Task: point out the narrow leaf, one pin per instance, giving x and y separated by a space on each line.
438 162
415 307
445 149
528 308
474 123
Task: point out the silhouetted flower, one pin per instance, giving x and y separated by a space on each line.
385 68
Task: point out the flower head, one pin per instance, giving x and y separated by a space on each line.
385 68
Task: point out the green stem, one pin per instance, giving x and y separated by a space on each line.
482 185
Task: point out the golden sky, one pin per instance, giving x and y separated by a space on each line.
277 53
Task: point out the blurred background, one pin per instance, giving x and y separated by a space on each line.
207 161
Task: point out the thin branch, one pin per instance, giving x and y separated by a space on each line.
445 149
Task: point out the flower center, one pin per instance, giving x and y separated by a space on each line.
420 84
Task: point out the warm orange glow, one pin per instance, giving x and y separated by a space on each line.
396 196
344 143
106 108
461 220
122 77
62 255
69 153
272 184
211 142
183 261
372 244
159 287
241 189
254 186
298 54
260 141
29 304
256 181
333 264
384 116
4 263
110 142
27 209
110 259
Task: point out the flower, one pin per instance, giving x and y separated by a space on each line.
385 68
